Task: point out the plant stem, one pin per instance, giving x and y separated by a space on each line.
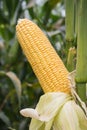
70 59
81 90
69 20
49 5
77 4
81 67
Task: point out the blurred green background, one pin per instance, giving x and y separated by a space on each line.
19 87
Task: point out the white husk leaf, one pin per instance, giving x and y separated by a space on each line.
71 117
48 106
56 111
36 125
50 103
81 117
49 124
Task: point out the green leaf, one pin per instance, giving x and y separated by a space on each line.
15 15
13 52
4 118
16 82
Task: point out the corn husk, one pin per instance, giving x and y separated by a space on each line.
56 111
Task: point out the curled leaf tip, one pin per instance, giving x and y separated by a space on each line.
29 112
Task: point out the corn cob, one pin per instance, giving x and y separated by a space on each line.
48 67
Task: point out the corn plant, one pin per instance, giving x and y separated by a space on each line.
55 83
63 89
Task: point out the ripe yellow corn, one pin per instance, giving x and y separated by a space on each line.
48 67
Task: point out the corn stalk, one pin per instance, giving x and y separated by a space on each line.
70 28
69 5
81 67
76 24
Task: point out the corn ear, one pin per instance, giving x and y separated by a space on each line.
47 65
